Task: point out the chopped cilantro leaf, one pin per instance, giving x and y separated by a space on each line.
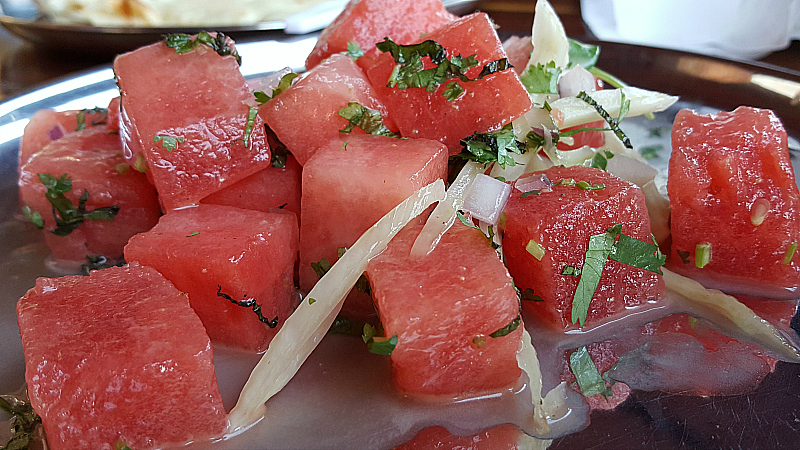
541 78
367 119
589 379
582 54
119 444
529 193
344 146
452 90
323 266
193 233
33 216
354 51
600 159
168 143
67 216
183 43
513 325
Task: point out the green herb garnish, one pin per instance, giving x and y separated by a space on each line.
651 152
513 325
376 344
589 379
354 51
284 84
702 254
343 325
789 255
494 146
490 229
183 43
168 143
684 255
24 421
614 124
33 216
67 216
81 117
529 193
529 295
585 55
571 270
541 78
249 303
627 250
409 71
600 159
367 119
323 266
248 128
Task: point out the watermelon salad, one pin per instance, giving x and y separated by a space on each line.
447 239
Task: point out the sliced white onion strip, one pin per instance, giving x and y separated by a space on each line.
306 327
737 320
529 363
548 36
486 198
577 112
444 215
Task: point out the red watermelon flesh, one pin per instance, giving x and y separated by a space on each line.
118 355
367 22
46 126
345 191
502 437
486 105
112 122
562 221
197 101
265 190
305 117
443 308
722 169
93 160
214 251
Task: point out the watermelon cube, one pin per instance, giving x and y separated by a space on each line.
445 309
305 117
268 189
486 104
560 224
501 437
185 118
367 22
351 183
112 122
220 255
118 355
733 195
93 160
47 125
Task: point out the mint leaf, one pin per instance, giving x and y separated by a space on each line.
367 119
67 216
497 146
168 143
636 253
600 246
354 51
582 54
513 325
33 216
589 379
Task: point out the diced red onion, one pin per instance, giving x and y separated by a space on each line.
575 80
57 132
534 183
486 198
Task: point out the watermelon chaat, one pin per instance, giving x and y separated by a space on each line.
469 210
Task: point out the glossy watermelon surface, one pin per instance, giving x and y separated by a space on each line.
562 222
46 126
93 160
306 116
185 117
220 254
265 190
367 22
444 308
486 104
349 185
727 171
118 355
503 437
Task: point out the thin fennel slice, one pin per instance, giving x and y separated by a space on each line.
725 311
548 37
529 363
306 327
577 112
444 215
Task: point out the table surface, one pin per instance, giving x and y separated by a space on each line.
25 66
